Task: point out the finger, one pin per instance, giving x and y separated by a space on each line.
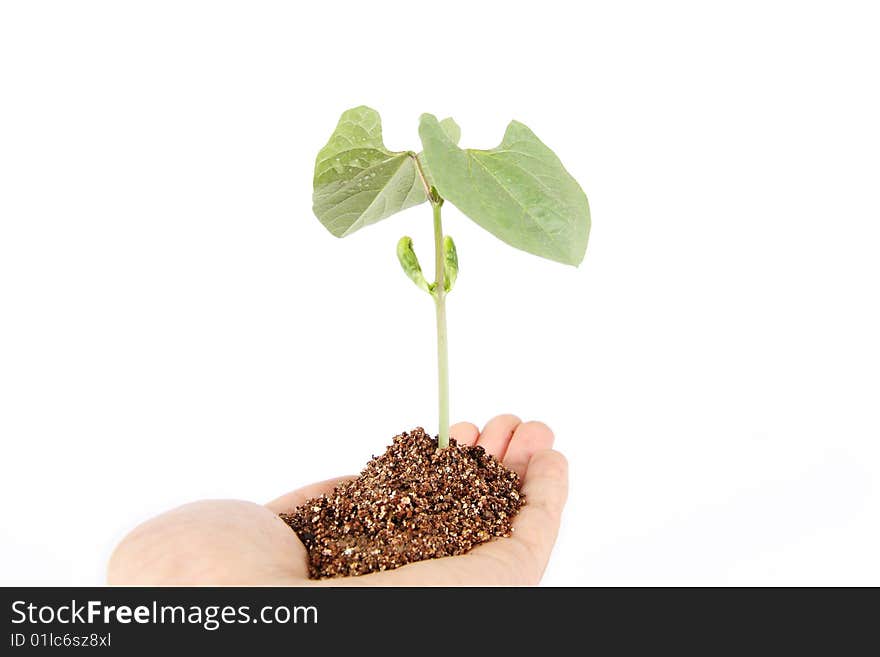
465 433
287 503
528 439
497 434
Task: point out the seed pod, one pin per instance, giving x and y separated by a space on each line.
410 263
450 263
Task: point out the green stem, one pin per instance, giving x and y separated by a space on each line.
439 294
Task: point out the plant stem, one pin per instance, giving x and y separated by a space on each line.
439 294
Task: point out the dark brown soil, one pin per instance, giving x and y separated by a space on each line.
414 502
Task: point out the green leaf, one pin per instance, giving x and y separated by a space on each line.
410 263
450 127
357 180
519 191
450 263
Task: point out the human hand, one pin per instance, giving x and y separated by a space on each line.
225 542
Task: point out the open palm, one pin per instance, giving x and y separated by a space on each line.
237 542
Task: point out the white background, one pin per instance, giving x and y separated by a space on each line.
175 324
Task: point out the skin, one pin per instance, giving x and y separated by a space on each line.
226 542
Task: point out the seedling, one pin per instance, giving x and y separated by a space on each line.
518 191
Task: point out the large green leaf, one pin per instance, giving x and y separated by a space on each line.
519 191
357 180
453 131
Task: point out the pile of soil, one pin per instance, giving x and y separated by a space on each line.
414 502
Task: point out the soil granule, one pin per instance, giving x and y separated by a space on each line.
414 502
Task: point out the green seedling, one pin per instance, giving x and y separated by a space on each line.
519 192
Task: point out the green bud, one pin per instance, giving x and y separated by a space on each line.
450 263
410 263
434 196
